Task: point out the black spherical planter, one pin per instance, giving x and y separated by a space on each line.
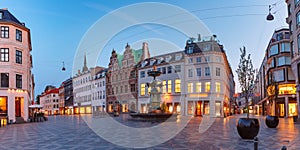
272 121
248 128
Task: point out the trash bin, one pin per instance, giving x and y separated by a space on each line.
295 118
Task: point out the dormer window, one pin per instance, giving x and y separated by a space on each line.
144 63
178 56
168 58
152 61
159 60
190 50
1 15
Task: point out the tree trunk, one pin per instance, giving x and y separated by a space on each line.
247 104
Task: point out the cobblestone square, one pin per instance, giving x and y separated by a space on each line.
72 132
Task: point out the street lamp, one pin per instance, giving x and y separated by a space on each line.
63 67
270 17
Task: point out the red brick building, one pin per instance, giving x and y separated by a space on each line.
121 79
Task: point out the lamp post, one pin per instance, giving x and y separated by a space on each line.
63 67
270 17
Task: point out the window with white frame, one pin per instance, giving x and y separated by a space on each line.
18 57
4 54
177 85
143 89
198 87
198 72
207 71
218 87
4 32
207 86
18 35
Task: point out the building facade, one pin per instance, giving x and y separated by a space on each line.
61 100
98 90
50 101
294 24
68 95
196 81
121 79
209 84
82 88
172 80
277 78
17 82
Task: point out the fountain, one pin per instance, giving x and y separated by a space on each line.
155 113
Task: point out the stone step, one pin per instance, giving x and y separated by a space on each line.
20 120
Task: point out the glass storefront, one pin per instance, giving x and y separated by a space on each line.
76 110
89 110
81 110
124 107
177 108
293 109
110 108
190 108
218 109
206 107
3 106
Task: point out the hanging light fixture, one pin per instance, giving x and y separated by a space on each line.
270 17
63 68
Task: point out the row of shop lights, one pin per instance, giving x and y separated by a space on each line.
16 90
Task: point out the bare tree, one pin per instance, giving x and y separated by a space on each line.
246 75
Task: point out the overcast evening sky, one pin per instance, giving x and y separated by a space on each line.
57 28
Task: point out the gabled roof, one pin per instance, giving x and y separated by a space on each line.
51 91
8 17
137 54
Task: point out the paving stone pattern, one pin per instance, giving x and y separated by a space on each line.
72 132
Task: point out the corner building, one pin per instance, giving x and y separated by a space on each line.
209 83
195 81
293 20
17 82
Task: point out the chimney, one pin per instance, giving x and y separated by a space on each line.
145 50
199 37
4 9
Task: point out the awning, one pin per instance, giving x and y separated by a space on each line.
35 106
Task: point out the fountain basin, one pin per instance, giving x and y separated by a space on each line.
152 116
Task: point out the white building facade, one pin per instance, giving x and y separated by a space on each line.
172 80
82 91
208 78
99 93
197 81
50 102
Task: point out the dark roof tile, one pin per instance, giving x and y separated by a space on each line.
8 17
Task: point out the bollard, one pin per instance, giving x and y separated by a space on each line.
255 143
283 148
